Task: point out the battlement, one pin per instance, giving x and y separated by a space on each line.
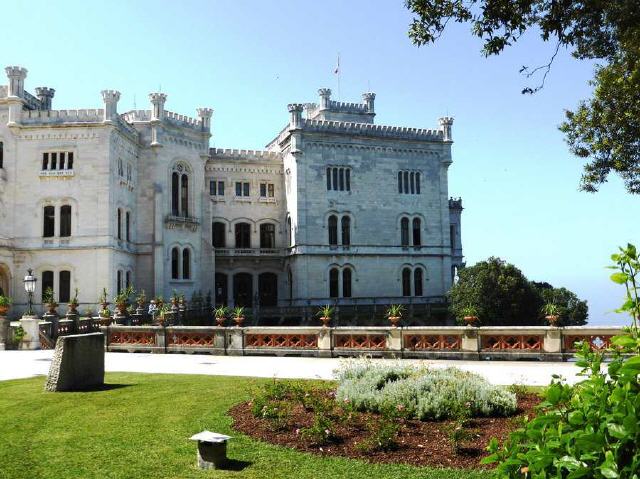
136 115
455 203
233 153
373 130
181 120
62 116
344 107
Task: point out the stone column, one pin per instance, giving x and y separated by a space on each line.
324 342
31 326
4 332
110 98
552 345
394 342
470 343
235 341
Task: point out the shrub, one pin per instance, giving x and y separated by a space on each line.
321 432
421 393
383 432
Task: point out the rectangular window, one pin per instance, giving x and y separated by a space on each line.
409 182
127 226
57 160
119 282
263 190
213 188
45 161
65 221
347 178
54 161
220 188
267 190
1 155
62 158
47 282
417 183
127 281
70 160
65 287
328 179
129 172
238 188
270 190
49 226
452 235
334 177
338 179
245 189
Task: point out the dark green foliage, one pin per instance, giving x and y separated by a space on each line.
590 430
573 310
383 431
605 128
499 291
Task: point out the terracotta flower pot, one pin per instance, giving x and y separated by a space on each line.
104 321
552 319
4 310
394 321
239 320
73 308
51 307
325 321
471 320
122 308
220 320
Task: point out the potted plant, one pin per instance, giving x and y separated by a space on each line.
552 313
174 298
102 299
18 335
49 299
141 299
394 313
220 313
122 299
324 313
163 312
238 315
105 316
73 304
5 304
470 315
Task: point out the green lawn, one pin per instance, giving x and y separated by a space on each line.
140 428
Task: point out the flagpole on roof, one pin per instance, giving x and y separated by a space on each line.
337 72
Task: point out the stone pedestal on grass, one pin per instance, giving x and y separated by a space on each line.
31 326
78 363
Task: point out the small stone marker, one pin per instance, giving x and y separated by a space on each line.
77 364
212 449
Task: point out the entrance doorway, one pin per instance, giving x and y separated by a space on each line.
268 289
243 290
221 289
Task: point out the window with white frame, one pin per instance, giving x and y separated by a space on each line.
243 189
338 178
57 161
267 190
216 188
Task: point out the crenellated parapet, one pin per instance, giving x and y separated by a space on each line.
16 76
369 129
205 115
455 203
229 153
62 116
182 120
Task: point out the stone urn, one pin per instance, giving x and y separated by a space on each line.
471 320
122 308
553 320
220 320
73 308
51 308
325 321
394 321
238 320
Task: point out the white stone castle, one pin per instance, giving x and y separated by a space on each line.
336 209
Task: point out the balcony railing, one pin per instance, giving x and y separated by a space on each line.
249 252
188 222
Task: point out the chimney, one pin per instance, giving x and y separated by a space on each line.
325 98
295 115
445 126
368 99
157 105
110 98
45 95
16 77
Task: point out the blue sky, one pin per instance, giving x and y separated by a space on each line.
248 59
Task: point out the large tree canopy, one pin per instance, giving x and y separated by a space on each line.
502 295
604 130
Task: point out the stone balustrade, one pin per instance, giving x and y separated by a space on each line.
455 342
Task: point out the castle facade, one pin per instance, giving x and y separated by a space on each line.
336 209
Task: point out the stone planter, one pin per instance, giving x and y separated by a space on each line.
394 321
220 321
104 321
325 321
239 320
122 308
51 308
553 320
471 320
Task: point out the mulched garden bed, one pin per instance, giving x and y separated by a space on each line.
420 443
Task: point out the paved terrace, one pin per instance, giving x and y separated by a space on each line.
25 364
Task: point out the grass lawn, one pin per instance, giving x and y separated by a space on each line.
139 428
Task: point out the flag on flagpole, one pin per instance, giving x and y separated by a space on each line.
337 70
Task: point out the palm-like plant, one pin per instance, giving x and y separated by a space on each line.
395 311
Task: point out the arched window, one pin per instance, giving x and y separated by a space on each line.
404 231
333 230
417 183
184 196
49 226
47 282
65 221
412 178
175 266
186 263
346 230
119 281
127 279
399 181
406 182
328 179
417 240
219 233
243 235
417 282
119 225
406 282
341 173
333 283
267 235
289 232
127 226
175 194
346 283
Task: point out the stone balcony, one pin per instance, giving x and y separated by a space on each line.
250 252
184 222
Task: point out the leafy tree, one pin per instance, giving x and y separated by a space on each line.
604 130
573 310
499 291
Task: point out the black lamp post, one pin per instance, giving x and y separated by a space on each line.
30 287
